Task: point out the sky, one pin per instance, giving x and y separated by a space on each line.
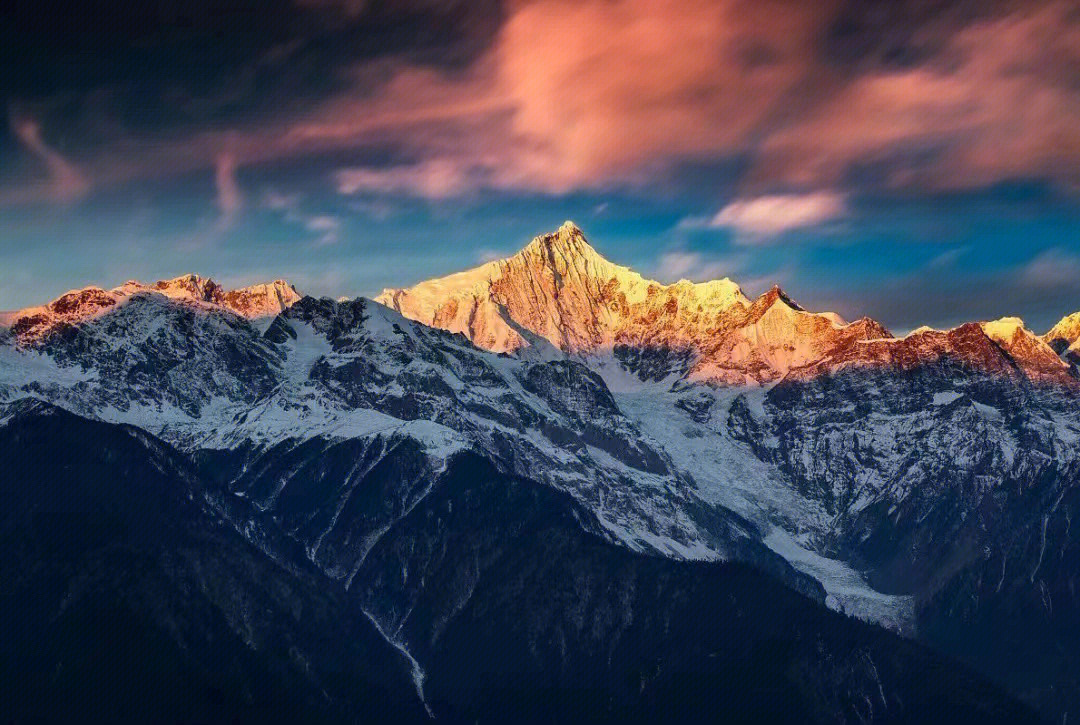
917 161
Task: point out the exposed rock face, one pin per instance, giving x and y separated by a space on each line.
1032 354
1003 349
260 300
559 289
254 302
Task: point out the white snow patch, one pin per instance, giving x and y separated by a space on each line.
846 588
946 397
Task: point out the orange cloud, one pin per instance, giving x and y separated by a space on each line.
582 95
614 90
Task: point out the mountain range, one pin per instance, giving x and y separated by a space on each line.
544 488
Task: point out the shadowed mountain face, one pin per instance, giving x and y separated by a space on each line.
132 600
491 597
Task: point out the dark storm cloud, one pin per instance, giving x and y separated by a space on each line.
548 96
199 48
98 73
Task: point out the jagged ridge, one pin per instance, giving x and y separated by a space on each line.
257 301
559 290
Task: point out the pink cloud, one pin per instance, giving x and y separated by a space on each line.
600 94
618 90
230 199
992 105
584 95
66 182
435 179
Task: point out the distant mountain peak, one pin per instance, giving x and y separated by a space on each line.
1031 352
257 301
559 288
1064 337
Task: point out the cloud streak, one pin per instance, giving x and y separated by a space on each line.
765 217
230 199
675 265
1050 269
66 182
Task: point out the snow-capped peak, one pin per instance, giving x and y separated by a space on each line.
1029 351
1004 329
559 288
1064 337
260 301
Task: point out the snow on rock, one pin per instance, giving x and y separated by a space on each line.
694 428
1002 349
1065 333
257 302
1064 339
693 421
560 289
204 378
1035 357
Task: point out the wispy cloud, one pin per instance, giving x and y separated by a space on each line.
327 226
763 218
607 94
1052 268
66 181
230 199
994 102
947 258
680 264
436 179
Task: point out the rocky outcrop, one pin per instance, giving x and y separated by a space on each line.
261 301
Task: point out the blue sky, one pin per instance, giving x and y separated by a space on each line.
912 161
